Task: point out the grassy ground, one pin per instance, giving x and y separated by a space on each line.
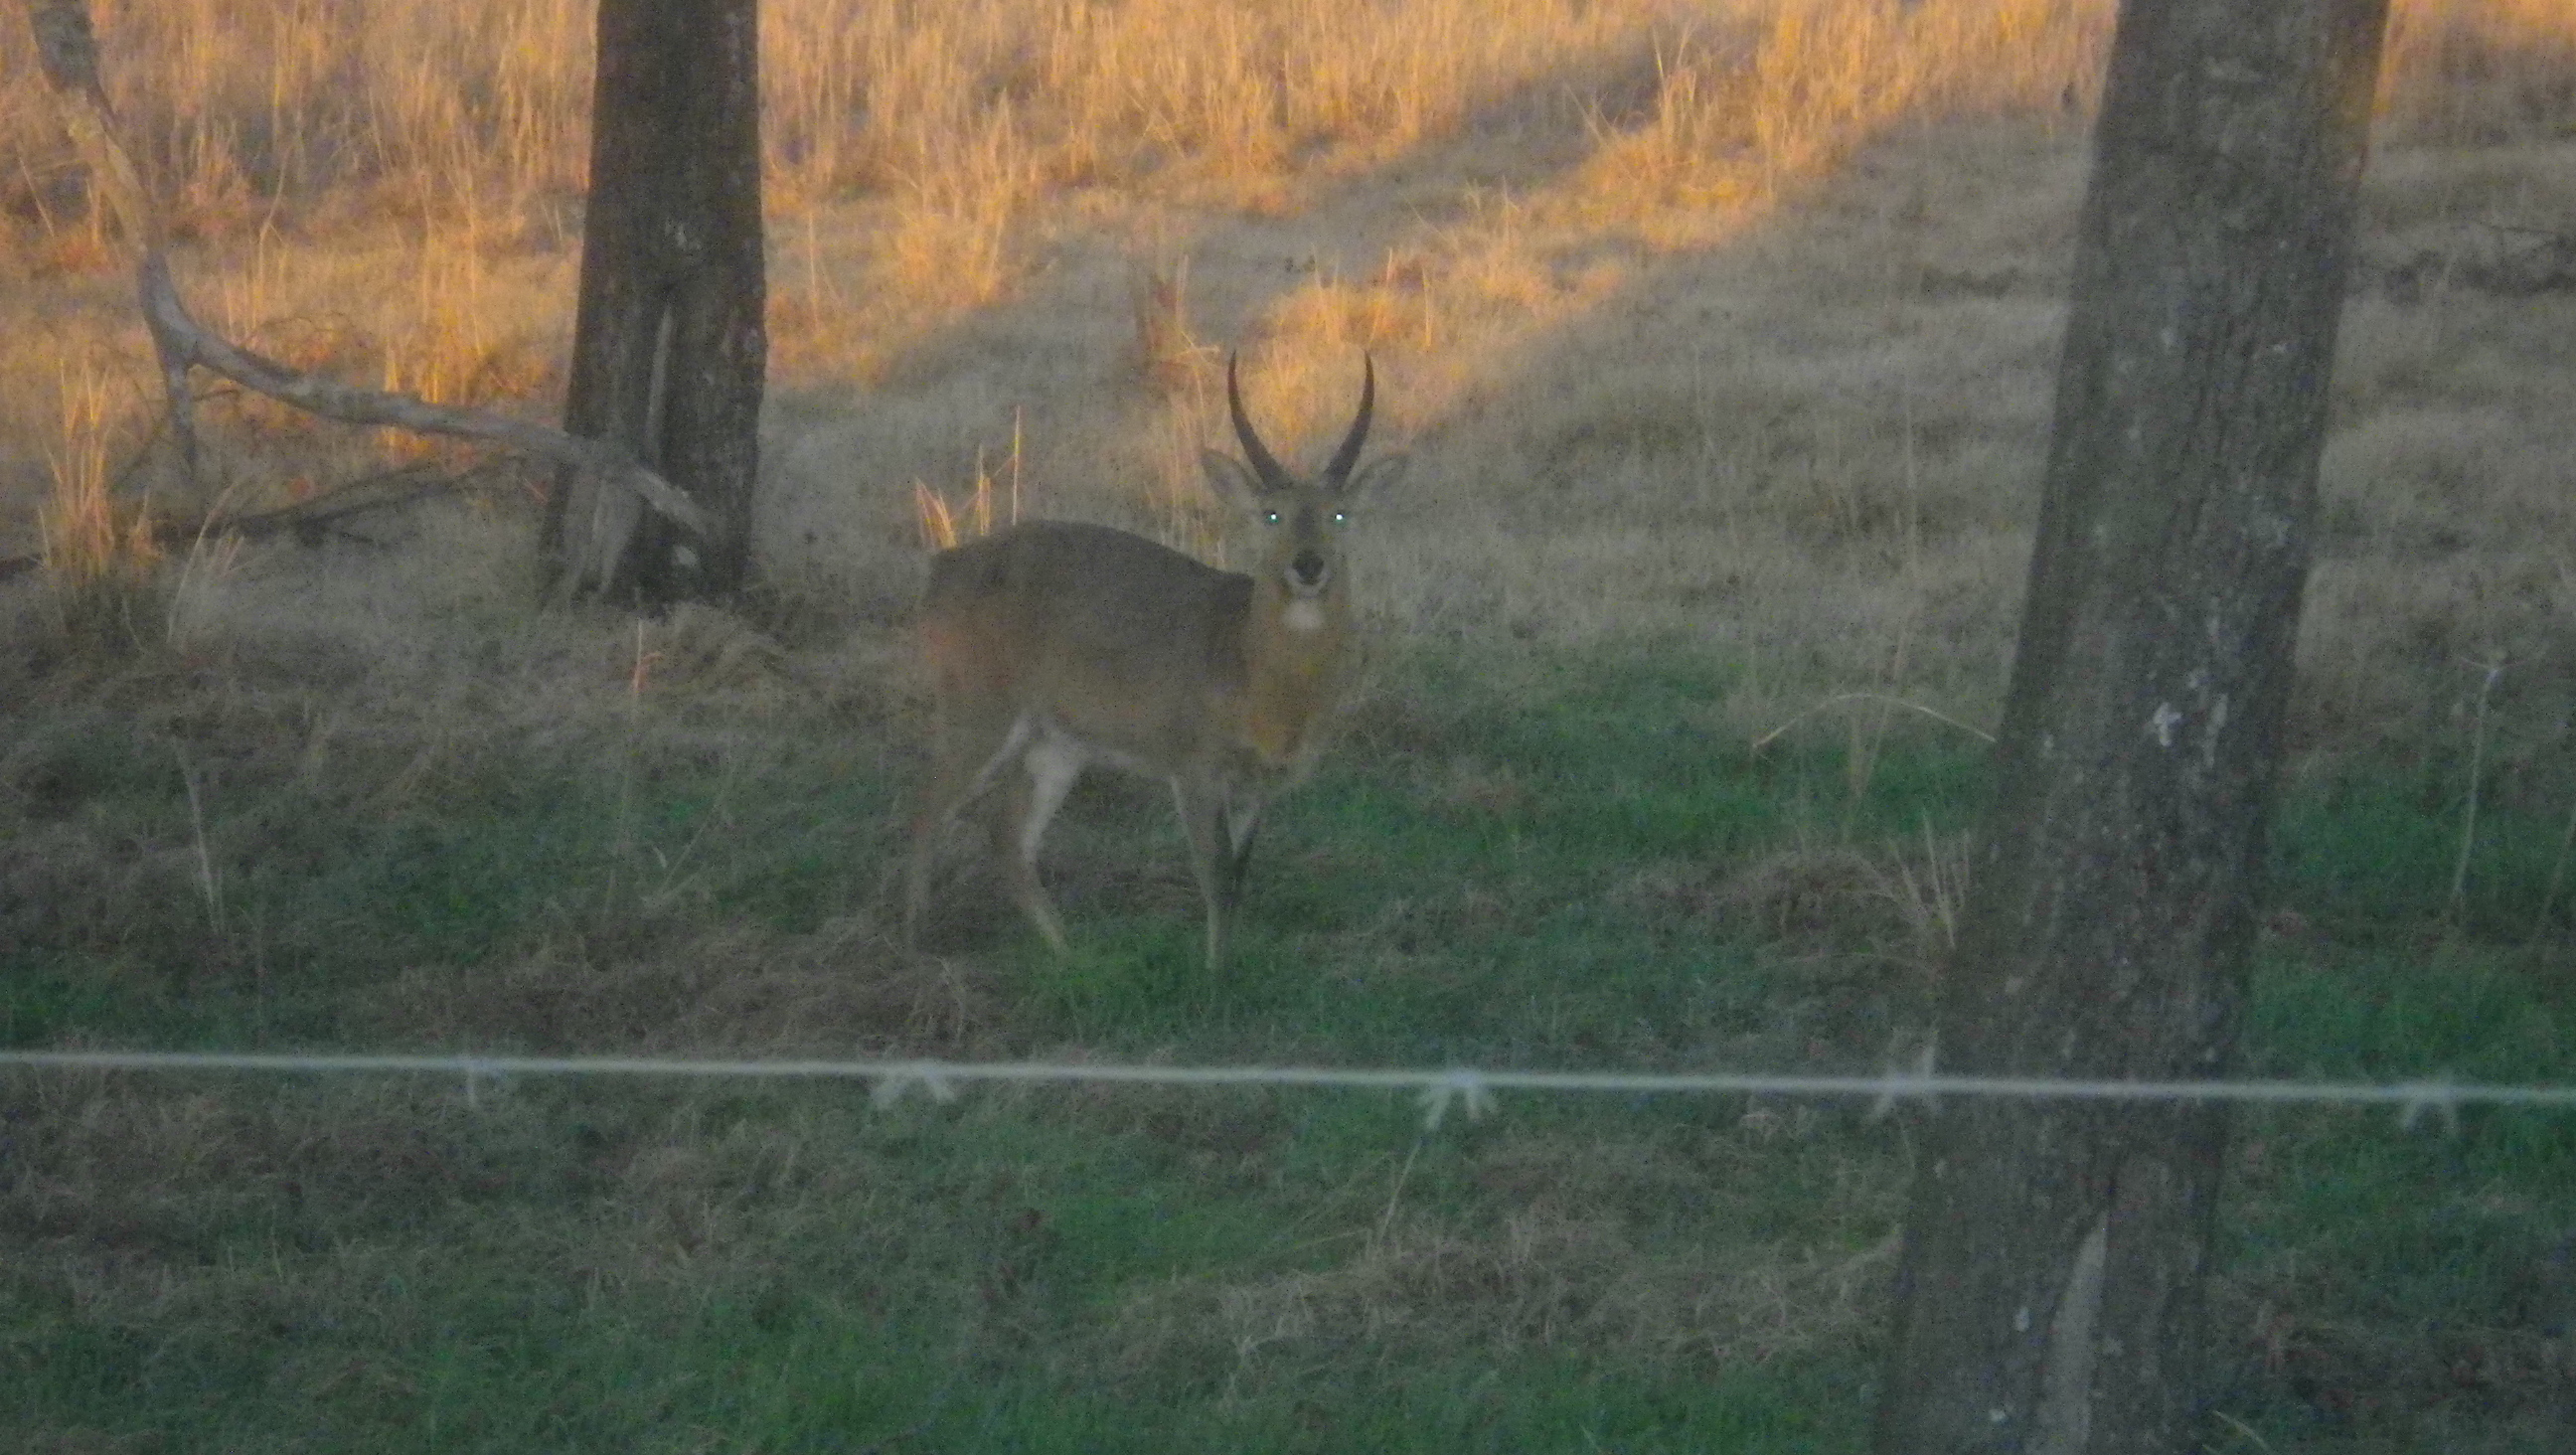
1721 335
1588 880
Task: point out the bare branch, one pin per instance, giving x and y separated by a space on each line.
352 405
69 57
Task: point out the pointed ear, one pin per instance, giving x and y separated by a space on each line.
1373 477
1234 481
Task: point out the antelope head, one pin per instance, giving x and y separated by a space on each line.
1299 522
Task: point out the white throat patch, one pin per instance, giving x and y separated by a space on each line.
1303 616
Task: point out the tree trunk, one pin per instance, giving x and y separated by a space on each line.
2049 1293
669 345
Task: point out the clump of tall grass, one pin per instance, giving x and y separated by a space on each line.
101 563
990 504
1738 115
1234 92
2479 71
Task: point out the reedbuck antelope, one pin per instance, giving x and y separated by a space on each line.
1055 646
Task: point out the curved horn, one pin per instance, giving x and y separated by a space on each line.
1272 477
1349 454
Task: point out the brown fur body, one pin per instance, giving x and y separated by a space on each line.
1057 646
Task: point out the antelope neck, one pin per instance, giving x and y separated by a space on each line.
1291 668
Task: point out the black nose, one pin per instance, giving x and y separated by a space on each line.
1308 567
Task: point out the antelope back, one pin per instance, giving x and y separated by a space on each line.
1104 635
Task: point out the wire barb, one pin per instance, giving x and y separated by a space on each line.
1467 1088
1919 1084
476 1069
2441 1097
928 1077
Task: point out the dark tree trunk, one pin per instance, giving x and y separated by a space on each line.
670 344
2049 1294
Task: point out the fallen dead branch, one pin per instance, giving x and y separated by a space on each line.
68 53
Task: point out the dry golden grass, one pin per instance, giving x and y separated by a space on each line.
1726 322
100 559
2479 71
1736 118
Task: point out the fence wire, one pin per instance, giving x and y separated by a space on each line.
1468 1090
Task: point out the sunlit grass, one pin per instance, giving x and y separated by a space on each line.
100 558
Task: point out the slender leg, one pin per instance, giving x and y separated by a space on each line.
1242 824
967 760
1053 764
1212 856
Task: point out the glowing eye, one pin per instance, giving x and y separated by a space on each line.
1341 517
1270 517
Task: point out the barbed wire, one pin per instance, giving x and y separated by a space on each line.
1469 1090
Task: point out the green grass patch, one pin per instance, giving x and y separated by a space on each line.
1565 868
2404 1284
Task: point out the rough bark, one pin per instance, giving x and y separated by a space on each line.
669 346
2049 1293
